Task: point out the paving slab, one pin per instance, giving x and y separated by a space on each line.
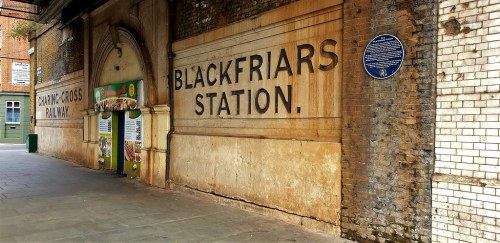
43 199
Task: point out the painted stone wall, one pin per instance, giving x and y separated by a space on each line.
258 111
388 125
58 92
466 184
58 117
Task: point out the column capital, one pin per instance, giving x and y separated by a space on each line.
161 108
88 112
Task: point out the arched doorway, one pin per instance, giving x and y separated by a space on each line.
121 92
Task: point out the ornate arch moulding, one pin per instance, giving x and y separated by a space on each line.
114 39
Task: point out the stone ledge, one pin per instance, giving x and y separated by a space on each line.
466 180
68 79
153 149
161 109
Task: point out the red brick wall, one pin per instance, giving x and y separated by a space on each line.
57 57
388 124
13 50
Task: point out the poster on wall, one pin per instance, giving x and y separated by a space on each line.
105 140
39 74
133 141
20 73
133 135
116 97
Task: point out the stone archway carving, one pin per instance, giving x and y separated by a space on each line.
108 42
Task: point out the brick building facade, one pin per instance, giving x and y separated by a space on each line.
270 108
14 83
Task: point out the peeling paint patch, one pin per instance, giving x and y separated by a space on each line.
466 30
442 75
451 27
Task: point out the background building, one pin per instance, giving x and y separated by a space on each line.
266 105
14 75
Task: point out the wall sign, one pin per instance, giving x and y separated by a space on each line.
383 56
39 74
269 82
236 75
272 82
63 102
20 73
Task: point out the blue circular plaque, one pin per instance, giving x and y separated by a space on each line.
383 56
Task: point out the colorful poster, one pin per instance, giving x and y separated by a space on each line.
105 140
133 135
133 142
116 97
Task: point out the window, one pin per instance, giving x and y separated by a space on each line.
13 112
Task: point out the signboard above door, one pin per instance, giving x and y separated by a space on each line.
116 97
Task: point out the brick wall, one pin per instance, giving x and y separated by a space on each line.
12 50
388 126
199 16
59 52
466 186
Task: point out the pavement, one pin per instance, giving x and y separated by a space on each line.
43 199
